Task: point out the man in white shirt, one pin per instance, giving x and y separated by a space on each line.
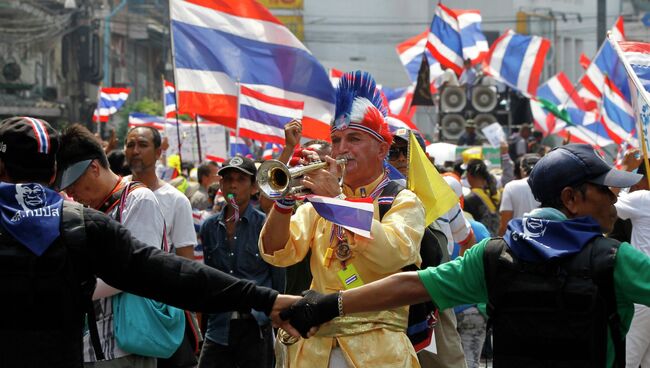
634 206
517 197
142 151
86 177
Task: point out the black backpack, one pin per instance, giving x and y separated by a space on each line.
553 313
422 315
49 297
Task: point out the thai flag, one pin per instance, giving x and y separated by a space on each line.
605 63
239 147
110 100
263 117
335 76
556 90
456 35
353 215
517 60
137 119
169 95
271 150
584 61
410 53
396 122
218 43
618 31
399 100
636 59
617 115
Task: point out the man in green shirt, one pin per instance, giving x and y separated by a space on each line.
512 275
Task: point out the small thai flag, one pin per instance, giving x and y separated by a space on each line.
169 94
354 215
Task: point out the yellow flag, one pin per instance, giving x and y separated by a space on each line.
426 182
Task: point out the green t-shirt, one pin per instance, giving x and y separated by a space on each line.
462 281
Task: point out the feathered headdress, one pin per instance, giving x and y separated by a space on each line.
359 106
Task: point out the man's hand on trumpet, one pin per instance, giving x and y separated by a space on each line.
324 182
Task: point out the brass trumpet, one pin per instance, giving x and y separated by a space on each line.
276 180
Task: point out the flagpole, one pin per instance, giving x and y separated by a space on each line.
99 118
238 108
198 137
171 41
643 94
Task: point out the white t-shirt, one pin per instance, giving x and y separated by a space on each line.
634 206
177 211
518 198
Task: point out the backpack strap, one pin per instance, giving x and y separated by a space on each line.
391 189
74 233
493 250
603 271
118 197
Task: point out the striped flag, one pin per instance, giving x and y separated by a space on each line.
410 53
169 98
137 119
355 216
271 150
455 35
335 76
517 60
618 31
238 146
635 57
263 117
218 43
399 100
110 100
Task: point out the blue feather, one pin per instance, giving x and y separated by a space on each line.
354 85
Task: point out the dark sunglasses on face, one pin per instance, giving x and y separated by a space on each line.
394 152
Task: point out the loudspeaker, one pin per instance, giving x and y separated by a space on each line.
452 126
452 99
483 120
484 98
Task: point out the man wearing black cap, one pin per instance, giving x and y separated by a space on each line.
51 252
559 294
242 338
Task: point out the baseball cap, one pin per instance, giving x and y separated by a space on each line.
30 145
571 165
529 160
80 148
243 164
469 123
403 133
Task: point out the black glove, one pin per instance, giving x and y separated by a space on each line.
312 310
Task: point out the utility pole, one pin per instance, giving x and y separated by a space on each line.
601 26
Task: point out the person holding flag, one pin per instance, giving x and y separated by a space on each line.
340 259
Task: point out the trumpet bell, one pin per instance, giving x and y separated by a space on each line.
273 178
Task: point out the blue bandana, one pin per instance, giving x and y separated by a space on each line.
536 239
31 214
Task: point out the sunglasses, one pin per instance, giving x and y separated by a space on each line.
394 152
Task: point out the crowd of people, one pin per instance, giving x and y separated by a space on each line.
265 280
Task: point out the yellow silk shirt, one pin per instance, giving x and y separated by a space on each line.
374 339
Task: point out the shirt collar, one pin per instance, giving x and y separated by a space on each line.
365 189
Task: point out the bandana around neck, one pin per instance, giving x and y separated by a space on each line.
31 214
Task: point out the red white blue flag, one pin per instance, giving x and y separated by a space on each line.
355 216
263 117
137 119
239 147
456 35
169 98
220 43
410 53
518 60
110 100
271 150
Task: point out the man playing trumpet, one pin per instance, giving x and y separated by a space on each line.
342 260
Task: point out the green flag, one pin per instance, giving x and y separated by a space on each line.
561 114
